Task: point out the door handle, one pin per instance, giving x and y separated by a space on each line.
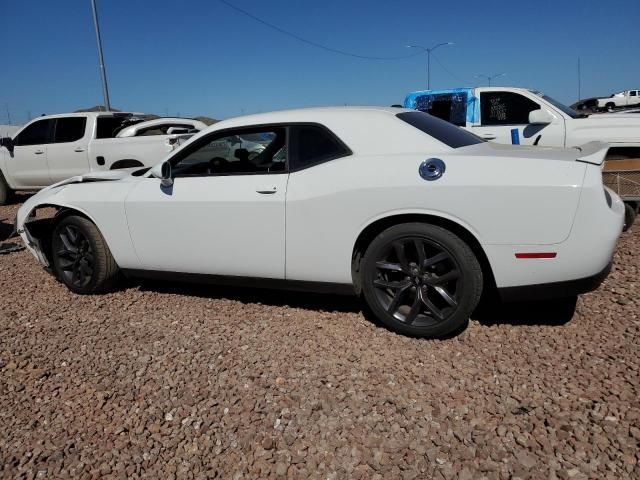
266 190
489 136
78 149
39 152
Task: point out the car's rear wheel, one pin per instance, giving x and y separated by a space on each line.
81 257
629 216
421 280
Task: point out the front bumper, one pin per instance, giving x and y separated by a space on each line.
34 246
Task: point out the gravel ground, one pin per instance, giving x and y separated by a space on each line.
162 381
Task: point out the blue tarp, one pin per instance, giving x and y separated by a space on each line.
464 106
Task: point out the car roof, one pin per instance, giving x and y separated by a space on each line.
303 115
364 129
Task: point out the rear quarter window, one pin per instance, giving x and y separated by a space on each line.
314 144
450 135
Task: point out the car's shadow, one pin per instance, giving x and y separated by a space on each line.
271 297
543 312
489 312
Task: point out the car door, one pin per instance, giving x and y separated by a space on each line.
27 165
503 112
632 99
67 154
223 215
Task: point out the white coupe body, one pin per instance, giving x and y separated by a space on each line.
533 216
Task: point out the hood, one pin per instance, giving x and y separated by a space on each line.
104 176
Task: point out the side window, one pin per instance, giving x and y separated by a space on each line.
451 107
69 129
633 93
38 133
313 144
505 108
234 152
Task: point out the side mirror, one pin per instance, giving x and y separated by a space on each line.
166 177
163 172
7 142
540 117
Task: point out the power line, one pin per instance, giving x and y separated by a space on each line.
311 42
457 77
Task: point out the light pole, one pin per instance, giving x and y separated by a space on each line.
490 77
429 50
103 73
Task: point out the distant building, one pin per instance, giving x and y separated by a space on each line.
9 130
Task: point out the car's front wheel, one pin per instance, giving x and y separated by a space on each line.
81 257
421 280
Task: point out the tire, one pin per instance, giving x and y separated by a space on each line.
5 192
629 217
81 257
610 106
431 301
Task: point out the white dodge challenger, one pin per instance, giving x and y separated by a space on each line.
415 215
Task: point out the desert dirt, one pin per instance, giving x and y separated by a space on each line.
159 380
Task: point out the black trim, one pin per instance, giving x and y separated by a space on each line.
567 288
250 282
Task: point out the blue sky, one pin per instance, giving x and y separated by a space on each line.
202 57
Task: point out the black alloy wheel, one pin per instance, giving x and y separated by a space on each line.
75 256
421 280
81 257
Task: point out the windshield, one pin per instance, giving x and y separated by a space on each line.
560 106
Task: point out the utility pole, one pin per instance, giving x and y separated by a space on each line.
103 73
6 107
429 50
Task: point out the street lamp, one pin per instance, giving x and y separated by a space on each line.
490 77
429 50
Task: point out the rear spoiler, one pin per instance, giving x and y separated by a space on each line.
592 152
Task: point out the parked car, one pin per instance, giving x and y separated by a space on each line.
416 215
51 148
529 117
626 98
162 126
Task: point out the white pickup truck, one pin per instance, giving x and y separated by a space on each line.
529 117
628 98
52 148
